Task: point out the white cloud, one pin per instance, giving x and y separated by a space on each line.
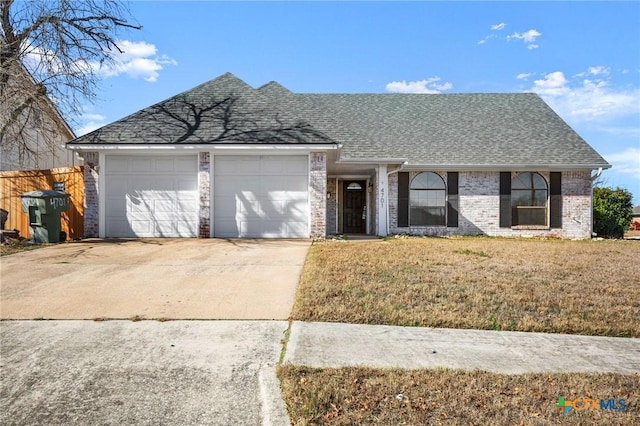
528 37
487 38
587 99
137 60
91 123
599 70
498 27
553 84
524 75
429 85
626 162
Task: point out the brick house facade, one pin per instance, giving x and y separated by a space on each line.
313 165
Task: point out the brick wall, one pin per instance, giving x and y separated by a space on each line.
576 204
479 207
204 189
318 194
91 194
332 207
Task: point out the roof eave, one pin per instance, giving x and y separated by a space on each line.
199 147
507 167
477 167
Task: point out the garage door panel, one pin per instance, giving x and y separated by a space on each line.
186 206
183 165
164 206
139 166
186 184
151 196
287 184
297 206
249 209
117 186
227 228
116 164
295 168
274 165
274 209
225 207
297 228
260 196
119 228
141 227
186 228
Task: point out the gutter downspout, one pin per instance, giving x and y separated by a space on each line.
593 178
399 169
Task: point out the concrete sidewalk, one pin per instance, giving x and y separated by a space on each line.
146 372
339 345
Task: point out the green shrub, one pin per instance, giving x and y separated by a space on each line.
612 211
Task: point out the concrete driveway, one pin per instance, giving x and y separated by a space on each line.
146 372
153 279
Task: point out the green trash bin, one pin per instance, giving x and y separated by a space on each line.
44 208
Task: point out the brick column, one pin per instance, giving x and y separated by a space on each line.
318 194
204 190
91 202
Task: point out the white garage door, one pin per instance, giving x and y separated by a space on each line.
261 196
151 196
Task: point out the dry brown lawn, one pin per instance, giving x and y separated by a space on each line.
12 246
560 286
355 396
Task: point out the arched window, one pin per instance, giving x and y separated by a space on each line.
427 200
529 196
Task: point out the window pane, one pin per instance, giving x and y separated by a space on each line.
427 208
529 199
427 198
427 216
427 180
536 198
529 180
540 198
529 216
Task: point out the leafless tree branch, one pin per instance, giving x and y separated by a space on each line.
50 54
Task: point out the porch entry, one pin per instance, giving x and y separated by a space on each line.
354 210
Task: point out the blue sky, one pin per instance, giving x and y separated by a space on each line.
583 58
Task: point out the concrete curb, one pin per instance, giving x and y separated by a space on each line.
273 409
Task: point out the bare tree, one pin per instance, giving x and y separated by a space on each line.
51 52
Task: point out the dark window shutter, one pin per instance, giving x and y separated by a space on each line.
505 199
452 199
555 200
403 199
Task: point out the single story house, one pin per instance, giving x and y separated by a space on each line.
227 160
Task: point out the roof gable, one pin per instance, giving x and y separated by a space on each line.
224 110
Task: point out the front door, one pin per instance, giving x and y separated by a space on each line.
354 210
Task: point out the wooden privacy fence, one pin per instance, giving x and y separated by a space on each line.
13 184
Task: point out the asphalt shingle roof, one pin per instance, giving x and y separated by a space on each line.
476 129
